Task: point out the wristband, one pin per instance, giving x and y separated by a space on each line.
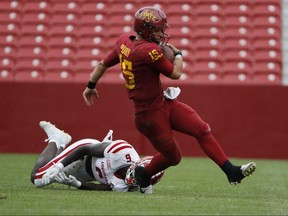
91 85
178 57
178 53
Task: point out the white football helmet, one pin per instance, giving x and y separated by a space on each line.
130 174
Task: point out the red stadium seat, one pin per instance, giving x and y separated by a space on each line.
208 66
90 41
268 55
6 75
267 21
10 28
31 52
237 43
59 76
92 30
59 64
209 32
62 40
35 18
237 21
138 5
207 20
29 64
237 55
91 53
64 18
181 31
237 33
8 63
235 78
37 6
8 51
263 43
266 79
33 40
174 7
34 29
267 33
211 8
94 7
66 6
267 8
28 75
115 30
271 67
94 19
205 78
122 8
8 5
8 39
64 30
61 52
238 8
85 65
9 17
207 55
237 65
119 19
236 71
207 43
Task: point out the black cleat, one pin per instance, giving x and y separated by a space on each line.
245 171
143 180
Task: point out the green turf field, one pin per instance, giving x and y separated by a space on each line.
195 187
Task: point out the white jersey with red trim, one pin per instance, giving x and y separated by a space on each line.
117 155
74 167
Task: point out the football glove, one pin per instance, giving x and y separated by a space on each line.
51 173
71 180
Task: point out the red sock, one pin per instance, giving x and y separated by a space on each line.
212 149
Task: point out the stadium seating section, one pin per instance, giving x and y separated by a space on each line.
223 41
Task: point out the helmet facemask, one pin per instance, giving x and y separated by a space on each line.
130 174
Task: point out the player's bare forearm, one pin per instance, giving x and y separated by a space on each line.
178 63
79 153
98 71
93 186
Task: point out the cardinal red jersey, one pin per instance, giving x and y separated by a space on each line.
141 63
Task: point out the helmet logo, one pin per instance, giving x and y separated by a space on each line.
148 16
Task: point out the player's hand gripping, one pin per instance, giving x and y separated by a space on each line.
71 180
51 173
174 49
88 95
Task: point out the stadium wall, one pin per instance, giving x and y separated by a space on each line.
248 121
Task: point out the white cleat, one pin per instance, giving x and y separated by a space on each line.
147 190
248 169
56 135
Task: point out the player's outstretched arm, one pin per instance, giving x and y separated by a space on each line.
90 92
93 186
96 150
72 181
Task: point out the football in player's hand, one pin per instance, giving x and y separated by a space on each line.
168 53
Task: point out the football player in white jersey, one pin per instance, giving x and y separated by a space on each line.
110 162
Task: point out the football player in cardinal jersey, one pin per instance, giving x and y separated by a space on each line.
110 162
158 113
